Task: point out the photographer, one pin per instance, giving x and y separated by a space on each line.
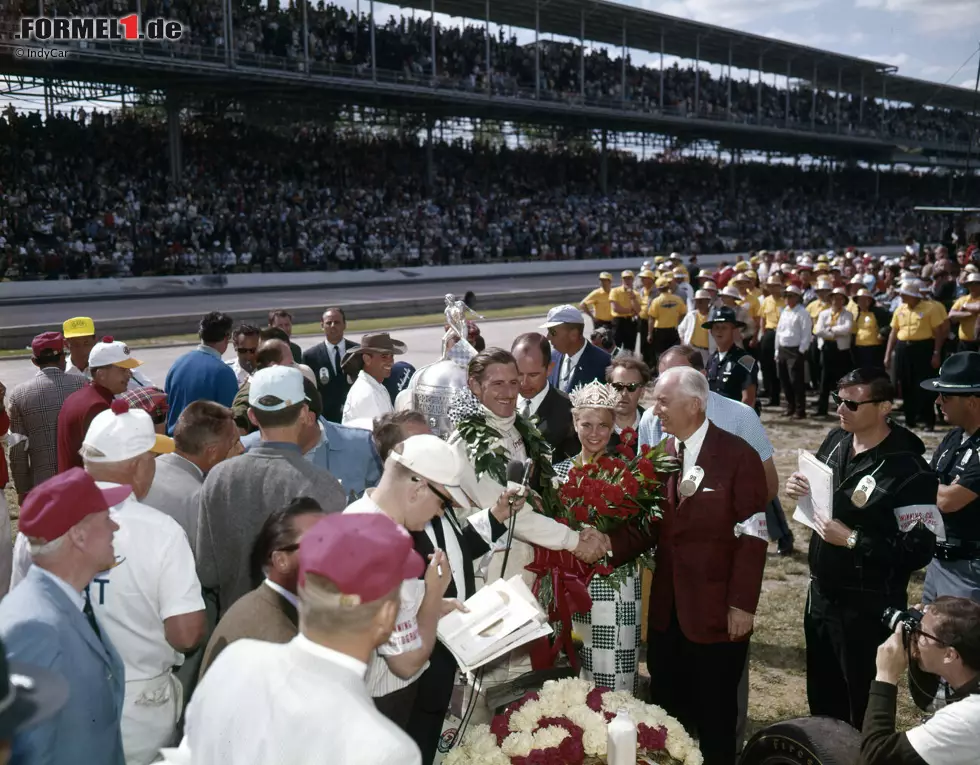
944 643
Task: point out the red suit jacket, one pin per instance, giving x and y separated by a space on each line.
702 568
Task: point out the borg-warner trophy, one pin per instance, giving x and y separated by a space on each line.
434 385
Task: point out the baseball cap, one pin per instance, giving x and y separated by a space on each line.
627 274
28 695
646 273
52 342
80 326
605 275
365 555
436 461
275 388
742 265
794 290
563 314
121 434
53 507
111 352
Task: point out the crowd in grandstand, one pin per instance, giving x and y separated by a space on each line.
91 195
267 32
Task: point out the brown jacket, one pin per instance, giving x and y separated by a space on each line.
262 614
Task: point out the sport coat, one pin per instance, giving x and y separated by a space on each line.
41 625
176 491
591 366
262 614
333 387
702 568
555 423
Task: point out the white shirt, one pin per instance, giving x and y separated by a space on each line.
692 446
366 400
635 426
154 578
297 703
331 349
405 637
289 596
242 376
840 331
951 736
453 552
568 367
534 400
795 329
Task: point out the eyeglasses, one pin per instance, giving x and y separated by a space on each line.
854 405
933 638
446 501
631 387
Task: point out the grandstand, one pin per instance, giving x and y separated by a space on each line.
308 137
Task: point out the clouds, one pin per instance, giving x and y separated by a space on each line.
728 12
933 17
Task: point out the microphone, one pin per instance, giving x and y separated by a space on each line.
519 472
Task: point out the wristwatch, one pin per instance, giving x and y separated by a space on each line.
852 540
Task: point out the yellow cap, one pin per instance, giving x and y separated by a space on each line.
658 259
647 274
742 265
661 283
681 272
821 267
605 275
754 260
80 326
627 274
163 445
774 281
752 274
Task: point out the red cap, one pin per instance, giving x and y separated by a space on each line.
48 341
366 555
59 503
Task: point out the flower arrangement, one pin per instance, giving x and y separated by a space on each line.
565 724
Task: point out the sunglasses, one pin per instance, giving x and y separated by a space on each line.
249 351
854 405
631 387
446 501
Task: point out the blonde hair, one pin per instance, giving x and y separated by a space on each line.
322 608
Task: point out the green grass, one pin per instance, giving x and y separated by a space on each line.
313 328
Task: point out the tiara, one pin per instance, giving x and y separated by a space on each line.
594 395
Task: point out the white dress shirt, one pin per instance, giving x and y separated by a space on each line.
535 401
828 330
568 365
289 596
692 446
453 552
795 329
240 374
366 400
331 350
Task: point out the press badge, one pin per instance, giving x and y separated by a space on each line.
966 457
691 482
864 491
324 375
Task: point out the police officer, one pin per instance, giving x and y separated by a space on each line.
862 556
732 371
956 568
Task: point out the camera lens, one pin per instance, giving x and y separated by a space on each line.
891 618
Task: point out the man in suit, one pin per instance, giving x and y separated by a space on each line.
325 360
708 576
576 361
540 399
48 620
269 611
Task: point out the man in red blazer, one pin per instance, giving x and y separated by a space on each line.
708 574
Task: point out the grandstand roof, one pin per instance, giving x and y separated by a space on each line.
605 21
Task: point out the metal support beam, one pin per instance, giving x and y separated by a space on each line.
173 138
581 71
861 102
225 27
603 164
661 69
813 102
306 37
728 107
622 78
884 95
139 14
789 71
432 39
374 58
230 41
488 67
840 75
758 95
537 50
697 75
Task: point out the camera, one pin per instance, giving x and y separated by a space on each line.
910 621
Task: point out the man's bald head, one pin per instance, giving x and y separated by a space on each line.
273 353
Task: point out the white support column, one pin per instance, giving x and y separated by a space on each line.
697 75
728 109
622 78
840 76
813 102
432 39
758 95
374 58
789 71
661 69
581 70
537 51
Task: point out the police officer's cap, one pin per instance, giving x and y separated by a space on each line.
960 374
722 315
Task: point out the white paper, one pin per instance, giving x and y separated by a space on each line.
820 500
502 616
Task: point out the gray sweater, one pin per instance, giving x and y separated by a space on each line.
238 496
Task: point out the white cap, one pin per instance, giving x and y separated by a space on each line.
911 289
284 384
121 434
732 293
111 352
433 459
563 314
702 295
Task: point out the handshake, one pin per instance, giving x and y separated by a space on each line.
592 545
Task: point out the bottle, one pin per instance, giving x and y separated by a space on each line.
621 739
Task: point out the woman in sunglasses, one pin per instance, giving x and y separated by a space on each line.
628 376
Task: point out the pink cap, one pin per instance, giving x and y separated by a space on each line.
53 507
366 555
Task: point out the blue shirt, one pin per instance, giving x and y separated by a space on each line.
199 375
734 416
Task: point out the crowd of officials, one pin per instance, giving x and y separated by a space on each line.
234 559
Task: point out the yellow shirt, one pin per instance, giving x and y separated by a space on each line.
866 329
667 310
598 301
853 308
645 295
625 299
699 338
755 293
968 327
814 309
919 323
771 308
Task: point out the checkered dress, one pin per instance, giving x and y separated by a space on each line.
610 632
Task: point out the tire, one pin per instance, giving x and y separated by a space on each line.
804 741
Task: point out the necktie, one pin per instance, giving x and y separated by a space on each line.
336 359
90 615
566 373
526 410
679 447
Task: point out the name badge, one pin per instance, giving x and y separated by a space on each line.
691 482
324 375
966 457
864 491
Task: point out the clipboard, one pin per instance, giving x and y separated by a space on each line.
820 500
